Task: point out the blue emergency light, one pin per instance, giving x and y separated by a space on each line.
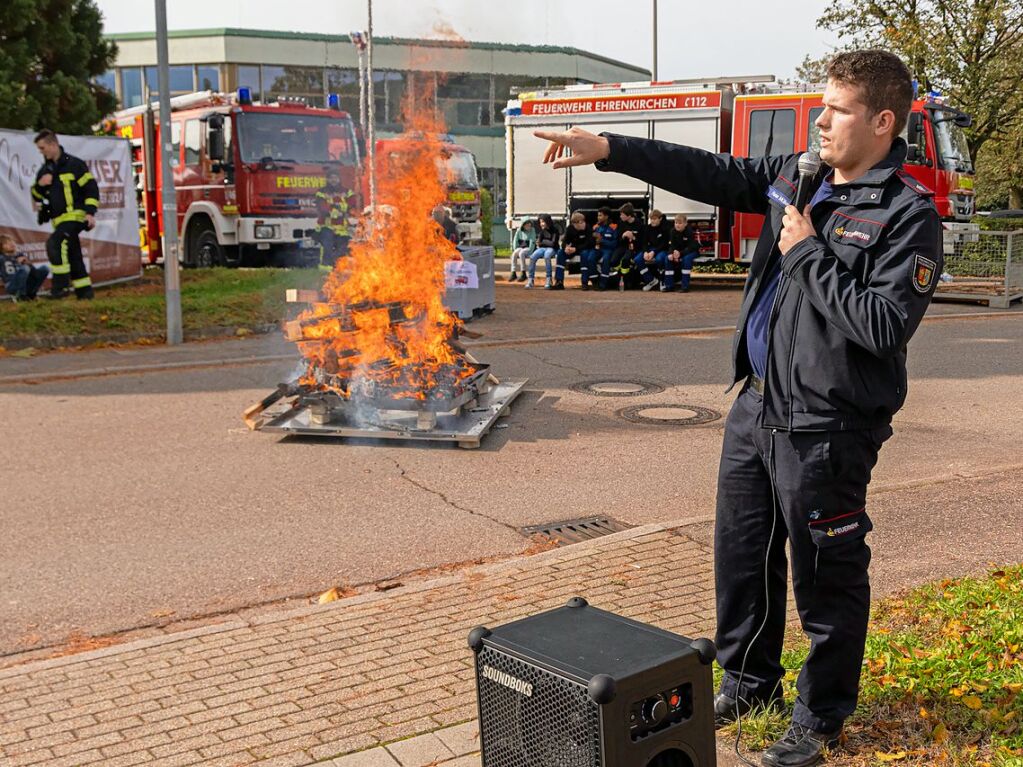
333 101
244 95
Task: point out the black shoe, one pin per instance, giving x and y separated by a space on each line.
85 294
584 287
727 709
800 747
559 285
56 295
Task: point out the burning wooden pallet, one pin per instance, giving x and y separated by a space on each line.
346 393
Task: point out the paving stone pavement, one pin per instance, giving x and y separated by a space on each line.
336 681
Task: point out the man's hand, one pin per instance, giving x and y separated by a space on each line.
90 221
675 256
796 227
648 257
570 251
46 179
585 147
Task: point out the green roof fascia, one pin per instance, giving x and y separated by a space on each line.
265 33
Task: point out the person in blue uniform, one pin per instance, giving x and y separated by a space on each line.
834 294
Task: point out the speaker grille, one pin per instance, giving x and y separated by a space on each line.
556 724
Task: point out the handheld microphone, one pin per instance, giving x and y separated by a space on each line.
809 165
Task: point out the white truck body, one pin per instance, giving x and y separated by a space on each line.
696 113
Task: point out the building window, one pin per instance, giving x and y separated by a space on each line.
175 142
107 80
771 132
192 148
131 87
300 82
182 80
248 77
464 100
207 78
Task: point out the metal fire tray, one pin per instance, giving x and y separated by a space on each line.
464 425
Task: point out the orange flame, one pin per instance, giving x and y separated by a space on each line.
384 320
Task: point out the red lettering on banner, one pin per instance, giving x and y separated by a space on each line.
710 99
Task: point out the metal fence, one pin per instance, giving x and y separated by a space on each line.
982 266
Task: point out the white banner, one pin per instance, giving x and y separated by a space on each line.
111 250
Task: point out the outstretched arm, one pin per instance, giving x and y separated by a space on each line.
736 183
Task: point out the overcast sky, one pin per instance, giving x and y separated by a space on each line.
697 39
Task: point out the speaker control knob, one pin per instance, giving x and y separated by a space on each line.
654 710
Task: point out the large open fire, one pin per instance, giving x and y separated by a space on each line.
383 324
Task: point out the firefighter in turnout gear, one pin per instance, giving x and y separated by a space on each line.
68 196
332 220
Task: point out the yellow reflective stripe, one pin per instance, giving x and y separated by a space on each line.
64 267
36 194
74 215
81 282
69 198
85 178
92 201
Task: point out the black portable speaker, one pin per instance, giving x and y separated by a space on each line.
582 687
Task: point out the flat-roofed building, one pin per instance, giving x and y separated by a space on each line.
472 81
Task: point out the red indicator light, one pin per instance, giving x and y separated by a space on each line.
675 700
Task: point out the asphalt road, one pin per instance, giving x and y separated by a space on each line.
136 499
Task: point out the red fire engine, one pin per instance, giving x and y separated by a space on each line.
458 171
782 122
245 175
746 116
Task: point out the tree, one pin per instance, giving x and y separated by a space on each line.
972 50
967 48
50 50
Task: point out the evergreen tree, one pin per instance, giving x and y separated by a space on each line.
50 50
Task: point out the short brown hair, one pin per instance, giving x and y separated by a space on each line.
884 81
680 217
577 217
45 135
6 238
656 214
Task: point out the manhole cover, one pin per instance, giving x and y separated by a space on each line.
617 388
669 415
576 530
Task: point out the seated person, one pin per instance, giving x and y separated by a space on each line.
21 279
523 244
651 259
578 240
605 240
682 251
546 248
615 266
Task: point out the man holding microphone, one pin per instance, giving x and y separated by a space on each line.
836 289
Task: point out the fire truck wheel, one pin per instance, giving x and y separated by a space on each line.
205 251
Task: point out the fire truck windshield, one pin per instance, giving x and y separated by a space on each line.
458 170
953 151
295 138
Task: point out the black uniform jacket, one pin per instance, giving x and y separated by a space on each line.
72 194
580 240
684 242
657 237
849 299
636 245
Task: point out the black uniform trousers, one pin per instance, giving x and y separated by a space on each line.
818 505
64 251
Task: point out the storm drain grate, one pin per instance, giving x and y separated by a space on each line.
576 530
608 387
669 415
